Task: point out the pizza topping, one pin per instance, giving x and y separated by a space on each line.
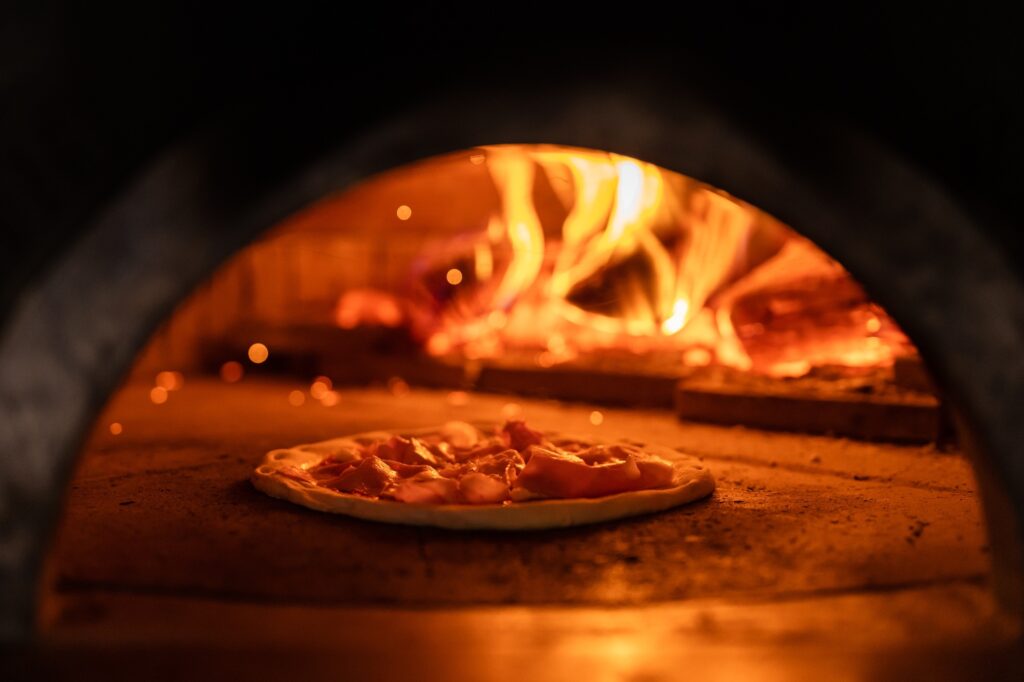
405 450
407 470
477 488
490 446
461 464
505 465
427 487
655 472
371 476
549 473
297 474
520 436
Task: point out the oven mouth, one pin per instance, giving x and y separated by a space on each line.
581 290
160 393
564 273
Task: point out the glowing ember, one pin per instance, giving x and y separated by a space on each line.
158 395
231 372
296 398
403 212
497 319
258 353
458 398
320 386
172 381
697 357
398 387
330 399
368 307
454 276
546 359
439 344
596 418
116 428
511 411
801 310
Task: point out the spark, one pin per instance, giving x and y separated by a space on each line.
171 381
231 372
258 353
320 386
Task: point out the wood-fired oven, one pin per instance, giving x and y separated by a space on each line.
642 246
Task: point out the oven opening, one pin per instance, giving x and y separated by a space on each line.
580 290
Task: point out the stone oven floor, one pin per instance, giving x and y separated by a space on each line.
811 549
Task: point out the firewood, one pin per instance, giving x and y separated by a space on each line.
872 409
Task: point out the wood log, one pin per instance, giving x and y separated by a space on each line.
872 409
578 383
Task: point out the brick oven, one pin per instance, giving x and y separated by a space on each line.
667 243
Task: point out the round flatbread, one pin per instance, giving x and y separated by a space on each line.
275 476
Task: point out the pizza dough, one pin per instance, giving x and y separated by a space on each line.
281 475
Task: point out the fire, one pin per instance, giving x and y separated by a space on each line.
367 306
639 259
513 175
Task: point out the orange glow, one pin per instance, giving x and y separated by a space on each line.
330 399
258 353
397 386
458 398
403 212
596 418
512 411
497 319
643 260
546 359
614 235
368 307
231 372
320 387
697 357
158 394
800 310
439 344
172 381
296 398
477 159
116 428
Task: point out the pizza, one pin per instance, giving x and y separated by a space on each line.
478 476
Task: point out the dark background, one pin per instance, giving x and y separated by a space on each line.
88 96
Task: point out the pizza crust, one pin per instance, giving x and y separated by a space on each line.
693 483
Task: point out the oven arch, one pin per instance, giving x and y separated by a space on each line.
75 332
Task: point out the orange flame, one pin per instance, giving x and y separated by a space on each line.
641 259
625 230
